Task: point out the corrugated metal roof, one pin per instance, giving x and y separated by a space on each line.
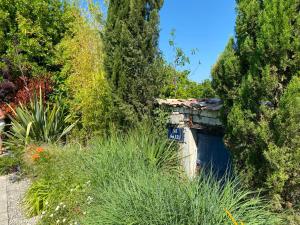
213 104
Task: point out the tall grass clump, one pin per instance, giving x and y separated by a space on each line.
148 197
68 169
134 179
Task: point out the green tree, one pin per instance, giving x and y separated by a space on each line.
131 46
226 74
177 84
81 54
176 80
256 77
29 32
283 152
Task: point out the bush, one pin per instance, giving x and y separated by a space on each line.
59 183
127 180
8 164
150 198
38 122
37 197
81 52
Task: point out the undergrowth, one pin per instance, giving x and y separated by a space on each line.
9 164
134 179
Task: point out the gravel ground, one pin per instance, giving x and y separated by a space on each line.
15 194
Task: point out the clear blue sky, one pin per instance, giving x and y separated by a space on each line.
202 24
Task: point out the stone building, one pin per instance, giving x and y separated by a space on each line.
196 125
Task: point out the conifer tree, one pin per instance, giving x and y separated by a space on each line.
131 46
226 74
266 68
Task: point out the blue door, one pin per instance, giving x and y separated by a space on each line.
212 154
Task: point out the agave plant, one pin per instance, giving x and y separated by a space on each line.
39 123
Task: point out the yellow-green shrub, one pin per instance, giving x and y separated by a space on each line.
86 85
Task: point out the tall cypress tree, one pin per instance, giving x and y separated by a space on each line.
227 74
263 95
131 46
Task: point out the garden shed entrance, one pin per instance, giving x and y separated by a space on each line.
196 125
212 154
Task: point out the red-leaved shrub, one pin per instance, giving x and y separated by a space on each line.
28 87
22 90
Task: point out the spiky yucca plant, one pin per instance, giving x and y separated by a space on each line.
38 123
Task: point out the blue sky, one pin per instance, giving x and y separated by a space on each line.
202 24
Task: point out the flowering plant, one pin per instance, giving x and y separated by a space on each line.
39 154
35 154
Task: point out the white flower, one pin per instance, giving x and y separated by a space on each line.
64 206
84 213
64 220
51 215
57 208
44 212
61 203
89 199
57 221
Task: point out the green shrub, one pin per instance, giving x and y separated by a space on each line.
158 151
130 180
291 216
37 197
149 197
81 52
38 122
60 187
8 164
257 77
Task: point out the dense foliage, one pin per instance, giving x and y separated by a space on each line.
177 84
131 48
38 123
29 33
176 75
106 76
81 54
107 73
131 179
257 76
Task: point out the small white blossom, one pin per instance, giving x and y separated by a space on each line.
57 221
51 215
57 208
64 220
44 212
